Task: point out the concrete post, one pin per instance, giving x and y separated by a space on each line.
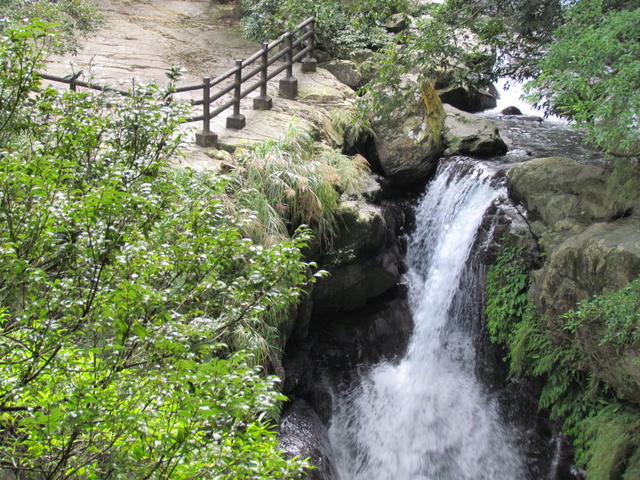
263 101
288 85
206 138
237 121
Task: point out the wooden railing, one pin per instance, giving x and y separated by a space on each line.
293 46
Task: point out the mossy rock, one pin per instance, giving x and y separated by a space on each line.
409 136
468 134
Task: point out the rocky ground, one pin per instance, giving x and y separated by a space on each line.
141 39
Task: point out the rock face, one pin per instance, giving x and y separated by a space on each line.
303 434
360 265
468 134
562 197
590 251
603 258
408 139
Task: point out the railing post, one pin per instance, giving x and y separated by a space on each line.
263 101
237 120
288 85
72 81
308 62
206 138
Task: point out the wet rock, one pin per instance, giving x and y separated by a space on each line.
408 139
511 111
303 434
468 134
465 99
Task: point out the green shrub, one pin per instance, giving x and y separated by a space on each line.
342 28
133 310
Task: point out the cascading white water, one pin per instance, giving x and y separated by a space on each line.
427 417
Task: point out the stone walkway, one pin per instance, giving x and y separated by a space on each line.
140 40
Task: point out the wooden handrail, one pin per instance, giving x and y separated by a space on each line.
300 38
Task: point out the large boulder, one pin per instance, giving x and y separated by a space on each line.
562 197
346 71
603 258
468 134
467 100
408 138
590 251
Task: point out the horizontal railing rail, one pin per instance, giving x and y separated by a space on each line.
296 45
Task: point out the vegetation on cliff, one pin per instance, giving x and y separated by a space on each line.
604 426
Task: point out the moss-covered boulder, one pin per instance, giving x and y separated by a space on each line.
562 197
603 258
363 261
591 251
468 134
408 137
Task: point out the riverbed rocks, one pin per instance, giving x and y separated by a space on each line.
408 138
468 134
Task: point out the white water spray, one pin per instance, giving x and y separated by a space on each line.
427 417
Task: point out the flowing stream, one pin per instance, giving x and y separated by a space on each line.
427 416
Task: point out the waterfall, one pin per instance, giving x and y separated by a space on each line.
426 416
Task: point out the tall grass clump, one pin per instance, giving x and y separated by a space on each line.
292 181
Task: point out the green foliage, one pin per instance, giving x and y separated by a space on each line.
609 439
71 17
133 310
352 125
618 312
506 288
343 28
21 53
592 75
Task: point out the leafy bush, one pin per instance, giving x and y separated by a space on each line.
591 75
71 17
618 312
133 309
